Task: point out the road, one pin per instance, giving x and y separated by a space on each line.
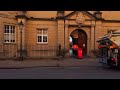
82 72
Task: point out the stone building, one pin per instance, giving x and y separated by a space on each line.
45 32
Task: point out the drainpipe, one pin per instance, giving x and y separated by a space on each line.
94 34
64 32
90 34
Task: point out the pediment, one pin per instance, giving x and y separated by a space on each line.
87 15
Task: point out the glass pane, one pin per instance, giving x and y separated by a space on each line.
13 31
7 38
39 38
40 31
7 30
44 38
7 41
11 37
11 27
44 32
14 27
14 36
6 27
13 40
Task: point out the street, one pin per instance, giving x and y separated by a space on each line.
82 72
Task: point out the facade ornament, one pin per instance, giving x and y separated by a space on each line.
80 18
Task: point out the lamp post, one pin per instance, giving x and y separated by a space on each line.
21 25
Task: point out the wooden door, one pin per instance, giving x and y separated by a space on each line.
82 41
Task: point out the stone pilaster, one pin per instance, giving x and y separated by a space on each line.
61 33
98 15
66 35
98 31
1 36
92 36
61 29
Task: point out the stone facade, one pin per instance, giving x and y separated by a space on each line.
60 25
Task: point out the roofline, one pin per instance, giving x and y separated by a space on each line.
45 19
111 20
81 11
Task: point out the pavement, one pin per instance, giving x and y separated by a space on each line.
63 62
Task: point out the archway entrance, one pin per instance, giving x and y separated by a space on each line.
79 37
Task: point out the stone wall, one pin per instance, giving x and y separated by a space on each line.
7 49
36 49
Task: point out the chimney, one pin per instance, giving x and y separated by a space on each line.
98 14
60 14
22 13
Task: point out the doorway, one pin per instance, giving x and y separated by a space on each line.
79 37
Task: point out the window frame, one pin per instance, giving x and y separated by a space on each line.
42 35
7 31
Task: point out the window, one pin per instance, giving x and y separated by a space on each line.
42 35
110 31
9 34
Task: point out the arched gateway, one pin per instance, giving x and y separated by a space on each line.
79 37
